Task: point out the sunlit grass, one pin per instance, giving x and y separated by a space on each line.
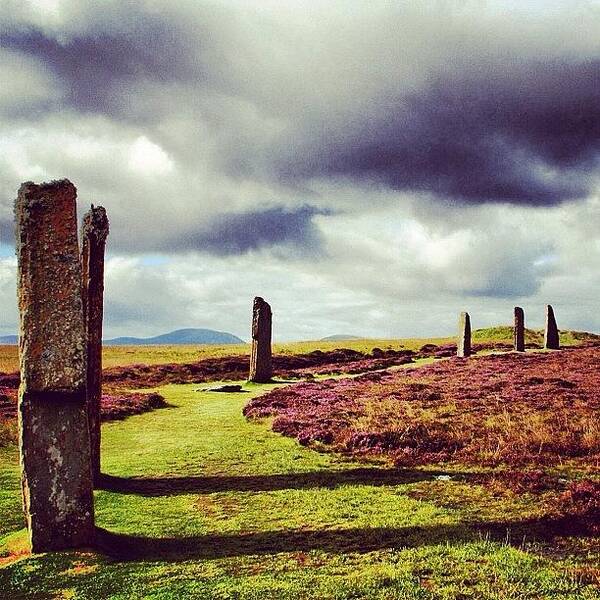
220 507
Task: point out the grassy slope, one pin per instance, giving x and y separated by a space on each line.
504 333
250 514
152 355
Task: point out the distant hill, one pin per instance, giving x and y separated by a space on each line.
9 339
181 336
339 337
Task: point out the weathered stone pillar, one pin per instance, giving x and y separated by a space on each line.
551 339
464 336
94 234
519 330
261 370
54 438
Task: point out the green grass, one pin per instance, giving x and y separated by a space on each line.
504 333
11 512
207 505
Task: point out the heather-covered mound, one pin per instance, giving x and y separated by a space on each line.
115 405
118 402
499 409
235 367
230 368
317 362
124 404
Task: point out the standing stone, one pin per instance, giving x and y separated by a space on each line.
551 339
519 330
54 439
261 370
94 234
464 336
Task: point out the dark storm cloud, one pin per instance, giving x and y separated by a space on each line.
109 56
7 231
228 127
241 233
462 104
528 136
92 67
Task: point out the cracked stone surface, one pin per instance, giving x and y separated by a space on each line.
93 241
54 438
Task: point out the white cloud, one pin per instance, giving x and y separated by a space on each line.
27 84
183 117
8 295
147 158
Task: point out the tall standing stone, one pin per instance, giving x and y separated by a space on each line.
261 370
464 336
94 234
551 339
54 438
519 330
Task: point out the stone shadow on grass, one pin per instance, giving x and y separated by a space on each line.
210 546
168 486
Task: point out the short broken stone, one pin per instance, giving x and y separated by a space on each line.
228 389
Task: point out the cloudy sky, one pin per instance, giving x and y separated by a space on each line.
367 167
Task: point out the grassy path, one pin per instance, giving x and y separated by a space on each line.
202 504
